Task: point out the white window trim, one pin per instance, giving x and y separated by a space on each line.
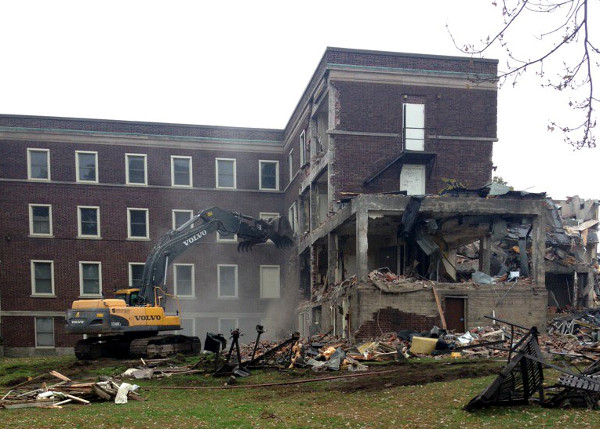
173 158
217 173
129 237
37 234
144 156
37 179
193 324
32 265
261 281
77 153
219 281
294 220
265 216
268 161
226 239
291 164
99 294
36 333
191 212
302 149
193 295
79 234
221 319
130 271
404 127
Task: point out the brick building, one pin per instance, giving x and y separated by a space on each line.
82 200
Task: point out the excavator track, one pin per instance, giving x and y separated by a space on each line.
120 346
164 345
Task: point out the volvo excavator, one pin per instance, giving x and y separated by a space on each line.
129 325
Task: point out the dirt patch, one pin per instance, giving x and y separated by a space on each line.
419 373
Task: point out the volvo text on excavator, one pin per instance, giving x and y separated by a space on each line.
129 325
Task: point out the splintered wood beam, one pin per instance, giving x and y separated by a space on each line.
439 307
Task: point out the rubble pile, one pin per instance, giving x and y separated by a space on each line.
68 391
574 333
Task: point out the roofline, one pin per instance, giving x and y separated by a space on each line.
412 55
131 122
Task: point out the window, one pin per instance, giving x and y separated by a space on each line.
88 220
414 126
42 278
302 149
269 175
227 325
184 280
269 281
90 279
228 281
181 171
412 179
44 332
87 166
188 327
267 216
181 216
136 169
222 238
225 173
38 164
136 274
137 223
291 164
293 217
40 220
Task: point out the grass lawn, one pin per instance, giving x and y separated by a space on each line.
375 401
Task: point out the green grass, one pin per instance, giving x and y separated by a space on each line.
344 403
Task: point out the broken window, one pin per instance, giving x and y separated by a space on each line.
302 149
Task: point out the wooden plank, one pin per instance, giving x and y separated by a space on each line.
75 398
439 307
60 376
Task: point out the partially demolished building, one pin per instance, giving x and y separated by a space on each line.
384 171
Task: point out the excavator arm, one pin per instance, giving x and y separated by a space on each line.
249 230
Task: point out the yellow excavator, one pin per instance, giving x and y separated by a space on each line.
129 324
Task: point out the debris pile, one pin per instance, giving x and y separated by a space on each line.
68 391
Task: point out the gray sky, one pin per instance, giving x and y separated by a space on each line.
243 63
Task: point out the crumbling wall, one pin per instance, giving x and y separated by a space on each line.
393 320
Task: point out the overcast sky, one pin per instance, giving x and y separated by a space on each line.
246 63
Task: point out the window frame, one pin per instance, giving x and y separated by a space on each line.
293 216
220 319
405 128
97 173
260 176
38 179
35 324
79 225
32 233
174 218
265 216
130 271
217 185
302 149
127 173
291 164
261 281
193 280
34 293
81 293
129 236
190 183
236 286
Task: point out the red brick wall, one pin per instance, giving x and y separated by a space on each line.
393 320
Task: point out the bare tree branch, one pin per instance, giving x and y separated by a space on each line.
570 34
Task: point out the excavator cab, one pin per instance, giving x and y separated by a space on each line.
130 296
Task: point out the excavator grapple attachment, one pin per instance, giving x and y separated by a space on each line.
277 229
